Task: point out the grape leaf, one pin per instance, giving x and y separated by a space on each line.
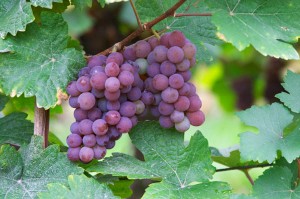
80 187
270 121
41 64
44 3
15 129
291 85
3 100
23 174
102 3
269 26
14 15
199 30
167 159
81 4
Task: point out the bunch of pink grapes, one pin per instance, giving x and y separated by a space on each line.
149 80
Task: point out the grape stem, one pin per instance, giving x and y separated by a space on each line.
244 167
136 14
144 27
41 123
246 172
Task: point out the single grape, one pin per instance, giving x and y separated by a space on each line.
176 38
99 152
86 154
72 89
189 50
94 114
85 127
140 107
182 104
74 128
86 101
165 122
160 82
113 133
110 144
126 78
74 140
115 57
73 102
167 68
183 126
102 104
186 75
113 117
147 98
80 114
176 81
177 116
150 58
97 69
196 118
98 80
143 64
129 53
153 69
89 140
183 66
170 95
142 49
160 53
73 153
128 109
165 108
185 90
83 84
102 139
112 96
112 84
192 89
100 127
127 67
192 61
195 103
153 41
175 54
96 60
113 105
112 69
85 71
164 39
134 94
124 125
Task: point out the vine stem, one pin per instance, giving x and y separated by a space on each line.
41 123
244 167
144 27
246 172
136 14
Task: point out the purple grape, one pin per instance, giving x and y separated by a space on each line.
96 69
183 126
98 80
134 120
72 89
186 75
129 53
74 140
100 127
177 116
165 108
189 50
73 102
164 39
113 105
110 144
153 69
128 109
112 84
123 98
112 96
170 95
80 114
176 38
102 139
175 54
99 152
183 66
134 94
192 61
176 81
196 118
182 104
155 112
153 41
86 101
147 98
165 122
112 69
74 128
195 103
142 49
127 67
94 114
124 125
160 53
126 78
115 57
192 89
167 68
140 107
86 154
157 99
185 90
97 93
73 153
102 104
160 82
149 85
138 82
83 84
126 89
113 117
85 71
150 58
113 133
96 60
89 140
85 127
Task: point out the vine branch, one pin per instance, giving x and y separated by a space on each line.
136 14
144 27
41 123
246 172
244 167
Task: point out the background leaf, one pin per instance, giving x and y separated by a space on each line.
44 3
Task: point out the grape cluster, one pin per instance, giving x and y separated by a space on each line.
148 80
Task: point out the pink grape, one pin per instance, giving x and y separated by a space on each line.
177 116
124 125
147 98
72 89
127 67
86 154
110 144
89 140
96 69
115 57
74 128
96 60
183 66
113 105
112 69
98 80
160 82
196 118
164 39
97 93
165 108
167 68
74 140
142 49
102 139
170 95
112 117
189 50
86 101
129 53
183 126
73 153
112 96
99 152
176 38
195 103
153 69
153 41
128 109
182 104
134 94
126 78
112 84
165 122
176 81
175 54
113 133
73 102
83 84
160 53
186 75
85 127
100 127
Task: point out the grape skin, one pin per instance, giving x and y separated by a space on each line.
86 101
74 140
86 154
100 127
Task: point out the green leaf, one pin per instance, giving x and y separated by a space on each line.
276 183
15 129
167 159
81 4
121 188
270 26
41 64
199 30
271 121
23 174
102 3
14 15
80 187
291 98
3 100
44 3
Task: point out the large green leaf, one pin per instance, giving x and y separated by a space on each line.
180 168
271 121
80 187
23 174
200 30
291 85
81 4
40 64
14 15
269 25
3 100
45 3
